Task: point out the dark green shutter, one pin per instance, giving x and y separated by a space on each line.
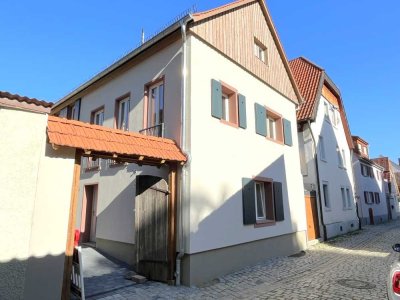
278 202
216 99
249 204
287 131
242 111
261 119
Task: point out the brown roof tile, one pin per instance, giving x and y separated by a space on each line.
70 133
25 99
307 76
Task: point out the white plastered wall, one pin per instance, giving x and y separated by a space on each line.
36 184
116 185
222 155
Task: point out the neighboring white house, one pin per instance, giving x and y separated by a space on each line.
370 191
325 149
219 84
35 183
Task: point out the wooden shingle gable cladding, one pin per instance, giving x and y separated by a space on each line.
233 32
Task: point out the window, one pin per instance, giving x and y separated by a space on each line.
322 153
335 117
274 126
260 51
371 197
340 158
344 200
326 195
326 110
97 116
72 111
262 201
122 113
349 198
227 105
377 198
155 105
359 148
367 171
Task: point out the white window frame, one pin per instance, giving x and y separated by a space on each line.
96 117
271 128
327 200
262 201
154 108
322 150
225 108
123 117
260 51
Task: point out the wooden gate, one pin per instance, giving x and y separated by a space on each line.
312 217
152 227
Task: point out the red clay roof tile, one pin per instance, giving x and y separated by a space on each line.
90 137
307 76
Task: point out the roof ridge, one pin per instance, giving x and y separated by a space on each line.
221 7
8 95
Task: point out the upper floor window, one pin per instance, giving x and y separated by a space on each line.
322 153
274 126
326 110
367 171
72 111
122 113
155 104
325 191
229 105
346 198
260 51
97 116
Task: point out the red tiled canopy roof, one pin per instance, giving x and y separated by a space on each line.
99 139
307 76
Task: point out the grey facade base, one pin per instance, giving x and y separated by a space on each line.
122 251
340 228
204 266
377 220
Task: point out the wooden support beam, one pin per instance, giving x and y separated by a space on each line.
69 249
172 219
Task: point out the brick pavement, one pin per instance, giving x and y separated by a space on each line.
326 271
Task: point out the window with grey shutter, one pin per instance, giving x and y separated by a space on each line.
278 201
242 111
216 99
248 196
261 119
287 131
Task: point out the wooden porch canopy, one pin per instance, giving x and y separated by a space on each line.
102 142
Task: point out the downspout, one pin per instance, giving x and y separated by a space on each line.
318 182
184 174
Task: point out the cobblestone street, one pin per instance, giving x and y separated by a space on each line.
354 266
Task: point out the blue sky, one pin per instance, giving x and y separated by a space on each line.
48 48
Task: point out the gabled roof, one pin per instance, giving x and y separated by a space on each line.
200 16
99 140
308 78
21 102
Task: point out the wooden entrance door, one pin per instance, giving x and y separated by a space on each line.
89 214
152 226
312 218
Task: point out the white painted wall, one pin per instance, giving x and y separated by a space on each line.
117 185
36 184
329 171
370 185
222 155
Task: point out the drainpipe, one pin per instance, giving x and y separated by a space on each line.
184 174
318 182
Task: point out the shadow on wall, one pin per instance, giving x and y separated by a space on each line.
33 278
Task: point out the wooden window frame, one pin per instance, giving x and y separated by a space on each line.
116 110
259 47
269 202
158 81
270 114
93 114
232 95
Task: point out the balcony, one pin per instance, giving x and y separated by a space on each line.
156 130
90 164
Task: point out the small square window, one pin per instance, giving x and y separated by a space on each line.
260 51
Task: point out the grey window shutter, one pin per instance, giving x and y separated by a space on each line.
278 202
261 119
242 111
287 131
216 99
249 202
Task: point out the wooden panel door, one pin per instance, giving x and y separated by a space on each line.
151 220
312 218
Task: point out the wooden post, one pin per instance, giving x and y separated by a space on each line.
65 294
172 223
